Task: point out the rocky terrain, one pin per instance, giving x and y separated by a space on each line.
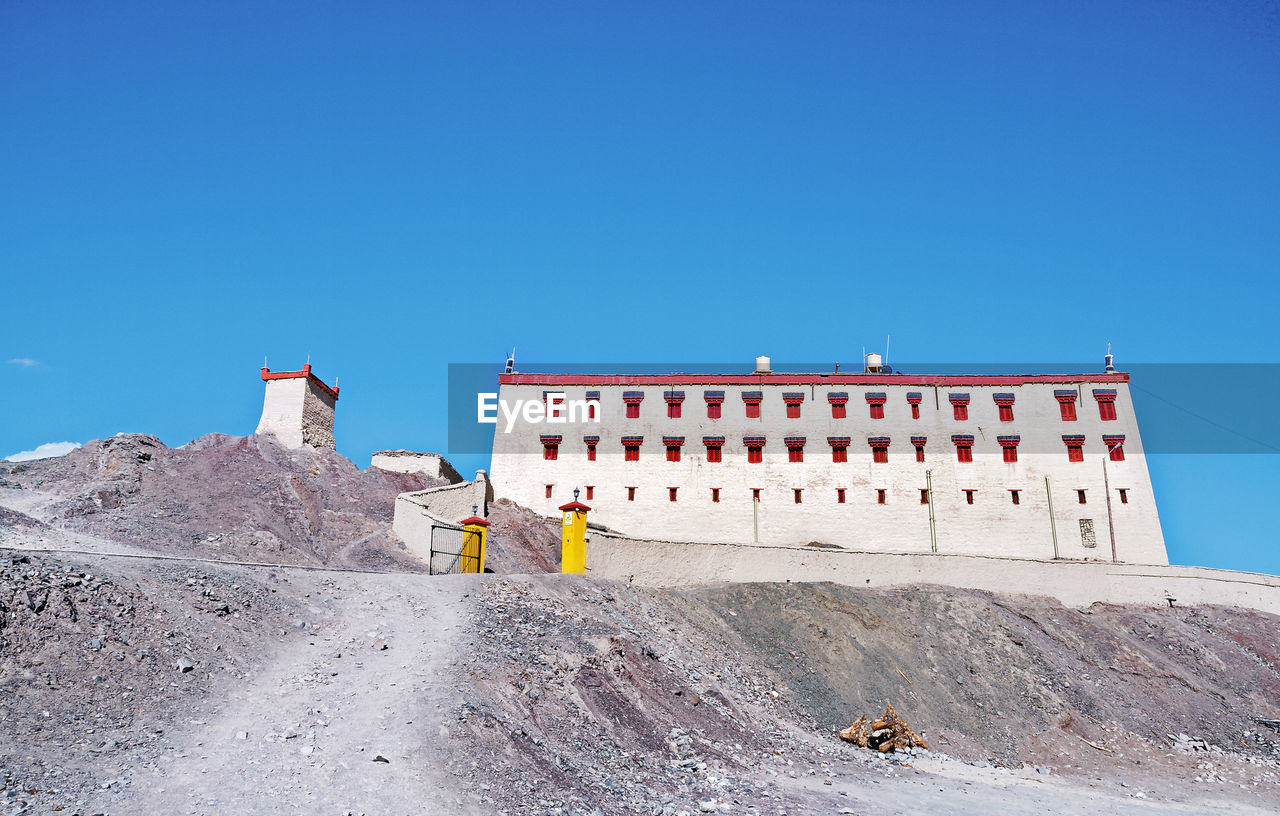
148 682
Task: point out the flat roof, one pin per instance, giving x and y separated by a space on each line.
809 379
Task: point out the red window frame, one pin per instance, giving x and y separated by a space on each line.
633 400
875 403
968 495
882 495
751 401
631 494
1124 495
671 493
1014 495
591 442
1009 447
795 448
755 449
918 442
879 449
674 400
755 493
714 399
591 490
793 401
549 490
839 402
1106 398
715 445
1115 447
839 448
715 494
673 444
631 448
1004 403
839 495
959 406
913 399
1075 448
593 404
1067 404
964 448
551 447
924 495
1080 496
797 491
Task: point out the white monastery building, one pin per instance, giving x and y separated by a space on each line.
1034 466
298 408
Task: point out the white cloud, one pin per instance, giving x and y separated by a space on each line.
25 362
45 451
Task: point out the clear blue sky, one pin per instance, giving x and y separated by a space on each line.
186 187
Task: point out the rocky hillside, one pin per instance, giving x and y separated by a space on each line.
223 497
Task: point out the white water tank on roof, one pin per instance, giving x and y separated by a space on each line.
762 365
873 362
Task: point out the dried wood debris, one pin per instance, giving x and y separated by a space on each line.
889 733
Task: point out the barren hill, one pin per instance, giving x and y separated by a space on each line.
162 685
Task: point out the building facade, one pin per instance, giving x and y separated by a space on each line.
1036 466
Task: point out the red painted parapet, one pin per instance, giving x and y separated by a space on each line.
268 374
808 379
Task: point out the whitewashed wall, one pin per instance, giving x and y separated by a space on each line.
432 465
297 412
991 526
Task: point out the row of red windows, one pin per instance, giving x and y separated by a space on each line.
882 494
840 452
875 403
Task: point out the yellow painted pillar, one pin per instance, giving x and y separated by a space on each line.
573 536
475 531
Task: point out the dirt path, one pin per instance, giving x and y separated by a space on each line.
308 731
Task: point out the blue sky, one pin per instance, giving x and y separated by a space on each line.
394 187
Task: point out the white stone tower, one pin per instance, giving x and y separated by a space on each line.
298 408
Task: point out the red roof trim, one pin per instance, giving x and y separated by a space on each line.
476 520
573 505
807 379
268 374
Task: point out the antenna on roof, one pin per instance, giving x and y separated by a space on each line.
1110 360
886 349
264 361
308 358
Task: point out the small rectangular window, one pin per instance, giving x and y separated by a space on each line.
1013 494
549 491
838 410
633 410
793 404
915 410
1080 496
713 410
591 453
839 495
713 454
882 496
880 455
1075 453
673 410
964 453
755 454
753 410
1106 398
673 453
959 405
797 492
920 453
715 494
793 411
550 452
924 495
968 496
1124 495
839 454
875 404
752 400
591 491
795 454
631 453
755 493
1006 413
1067 404
631 494
671 494
1011 453
913 399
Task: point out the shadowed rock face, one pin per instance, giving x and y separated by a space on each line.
227 497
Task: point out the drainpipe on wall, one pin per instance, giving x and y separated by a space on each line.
933 527
1106 485
755 518
1053 524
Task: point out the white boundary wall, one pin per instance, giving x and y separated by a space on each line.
1074 583
432 465
416 512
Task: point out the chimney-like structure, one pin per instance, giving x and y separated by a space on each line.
298 408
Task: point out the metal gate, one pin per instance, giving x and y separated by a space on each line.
453 550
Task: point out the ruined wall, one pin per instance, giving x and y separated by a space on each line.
991 525
675 564
428 464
